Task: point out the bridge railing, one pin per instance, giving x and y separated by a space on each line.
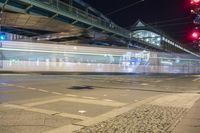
79 14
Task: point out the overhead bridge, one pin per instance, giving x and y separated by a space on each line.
56 9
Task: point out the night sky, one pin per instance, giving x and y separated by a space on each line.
151 12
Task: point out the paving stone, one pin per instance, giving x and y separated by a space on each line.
21 121
145 119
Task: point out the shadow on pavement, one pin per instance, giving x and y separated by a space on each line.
81 87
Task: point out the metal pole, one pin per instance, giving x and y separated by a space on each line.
1 15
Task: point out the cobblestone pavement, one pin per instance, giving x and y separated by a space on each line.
145 119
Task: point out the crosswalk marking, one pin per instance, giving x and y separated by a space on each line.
105 102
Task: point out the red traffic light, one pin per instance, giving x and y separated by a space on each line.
195 35
195 2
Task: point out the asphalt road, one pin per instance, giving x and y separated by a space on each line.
41 103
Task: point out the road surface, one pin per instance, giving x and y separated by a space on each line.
33 103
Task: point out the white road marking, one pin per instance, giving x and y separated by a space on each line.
144 84
4 83
42 90
30 109
42 102
70 95
105 102
10 85
48 112
19 86
30 88
95 102
57 93
108 100
88 97
196 79
82 111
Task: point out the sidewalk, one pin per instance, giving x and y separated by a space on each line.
190 123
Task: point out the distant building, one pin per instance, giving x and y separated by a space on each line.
155 39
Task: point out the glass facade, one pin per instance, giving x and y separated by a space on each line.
148 36
155 40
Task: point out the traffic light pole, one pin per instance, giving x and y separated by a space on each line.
196 11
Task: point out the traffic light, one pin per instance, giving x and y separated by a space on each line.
195 10
195 2
195 35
